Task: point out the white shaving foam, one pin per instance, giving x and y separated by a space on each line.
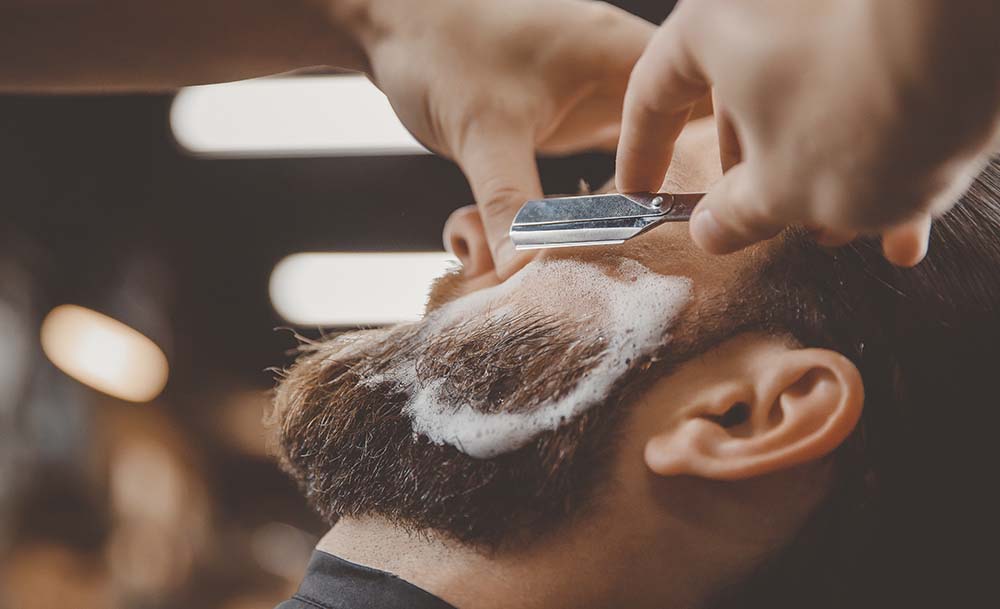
632 310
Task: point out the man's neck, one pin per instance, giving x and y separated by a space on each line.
587 569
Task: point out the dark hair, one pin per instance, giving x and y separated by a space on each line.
907 520
926 341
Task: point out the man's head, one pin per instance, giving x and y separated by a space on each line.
741 418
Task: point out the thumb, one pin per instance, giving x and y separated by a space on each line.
735 213
501 169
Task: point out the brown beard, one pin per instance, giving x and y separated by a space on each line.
344 435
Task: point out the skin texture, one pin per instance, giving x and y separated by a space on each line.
848 117
719 464
101 46
494 82
906 93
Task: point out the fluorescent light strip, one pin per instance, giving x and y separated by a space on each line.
289 116
340 289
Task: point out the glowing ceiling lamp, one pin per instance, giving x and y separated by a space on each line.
289 116
350 289
104 353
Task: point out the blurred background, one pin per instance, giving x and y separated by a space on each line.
159 256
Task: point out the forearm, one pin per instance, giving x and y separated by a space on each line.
107 45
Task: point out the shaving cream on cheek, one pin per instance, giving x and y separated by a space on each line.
634 307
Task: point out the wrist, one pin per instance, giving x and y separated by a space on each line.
349 30
370 23
360 25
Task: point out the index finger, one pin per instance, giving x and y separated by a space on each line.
501 169
664 85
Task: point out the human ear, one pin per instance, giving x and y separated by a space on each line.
465 237
766 408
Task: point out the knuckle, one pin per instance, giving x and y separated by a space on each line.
604 14
500 199
754 212
753 221
645 107
858 204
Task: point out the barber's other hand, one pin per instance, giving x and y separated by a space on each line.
844 116
488 83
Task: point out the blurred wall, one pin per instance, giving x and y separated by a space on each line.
173 502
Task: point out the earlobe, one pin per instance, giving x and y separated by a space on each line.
791 406
465 237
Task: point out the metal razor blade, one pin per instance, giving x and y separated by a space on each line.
607 219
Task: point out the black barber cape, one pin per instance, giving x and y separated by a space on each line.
334 583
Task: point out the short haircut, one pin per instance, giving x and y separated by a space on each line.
926 341
905 523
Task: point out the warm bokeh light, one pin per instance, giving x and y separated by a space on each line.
104 353
289 116
350 289
282 549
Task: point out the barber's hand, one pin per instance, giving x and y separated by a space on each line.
488 83
844 116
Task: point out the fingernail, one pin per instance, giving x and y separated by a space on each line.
706 230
